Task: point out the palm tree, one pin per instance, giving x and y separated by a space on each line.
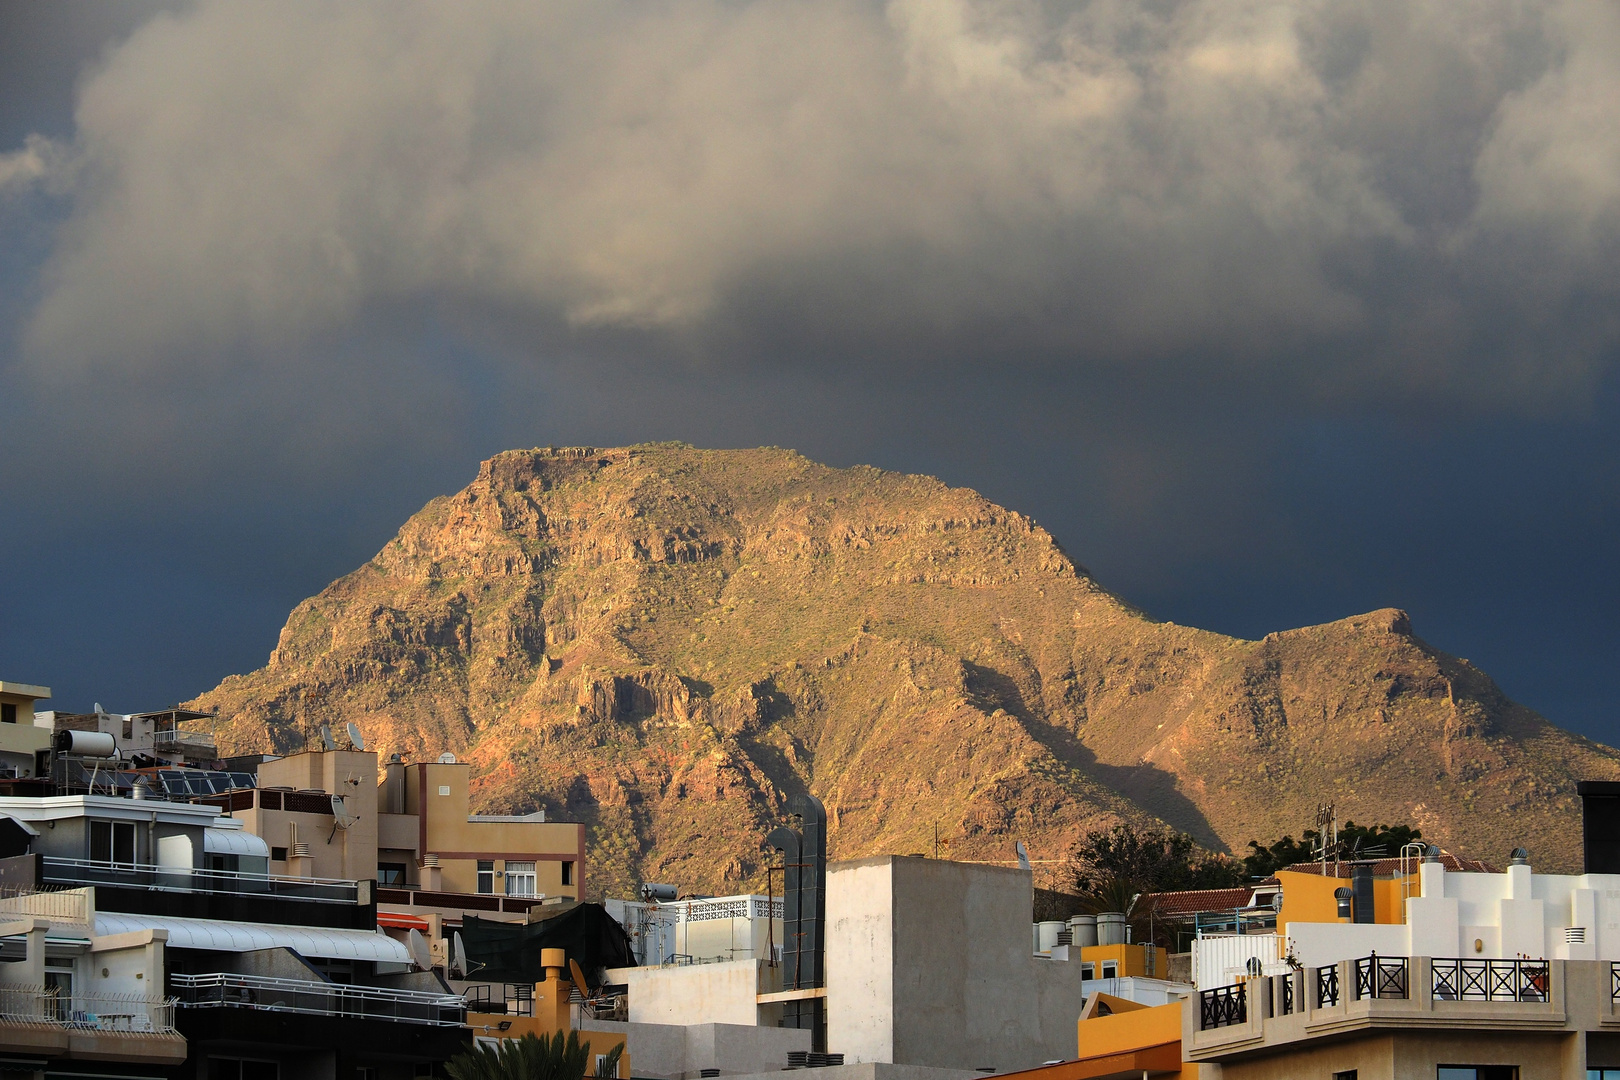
532 1058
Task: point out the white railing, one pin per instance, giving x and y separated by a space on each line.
189 879
228 990
57 905
46 1006
742 907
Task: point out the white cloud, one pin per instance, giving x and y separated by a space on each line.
1105 180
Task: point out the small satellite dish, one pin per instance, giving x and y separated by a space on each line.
1023 855
326 737
447 758
421 955
341 814
354 736
579 977
1254 966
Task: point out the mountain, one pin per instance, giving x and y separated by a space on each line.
666 642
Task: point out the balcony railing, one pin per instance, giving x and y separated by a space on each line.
515 999
172 879
46 1006
1327 986
226 990
179 741
1223 1006
1289 1005
1381 977
1489 980
57 905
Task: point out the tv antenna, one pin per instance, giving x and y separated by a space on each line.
1327 833
354 735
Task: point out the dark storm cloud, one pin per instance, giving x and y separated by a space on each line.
1362 198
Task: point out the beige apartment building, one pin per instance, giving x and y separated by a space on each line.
323 814
21 741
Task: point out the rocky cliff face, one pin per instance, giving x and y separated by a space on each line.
665 642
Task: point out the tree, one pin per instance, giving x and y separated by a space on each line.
533 1058
1355 842
1148 860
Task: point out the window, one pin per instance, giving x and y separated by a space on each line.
486 875
390 873
602 1066
444 789
241 1069
278 854
568 873
1088 971
1110 969
520 879
59 985
365 1072
1477 1072
1348 1074
1603 1074
112 842
8 713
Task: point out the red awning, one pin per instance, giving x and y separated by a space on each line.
401 921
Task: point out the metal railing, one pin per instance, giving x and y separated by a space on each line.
1381 977
1289 1007
47 1006
227 990
1614 982
181 879
58 905
516 999
1457 979
1327 985
1223 1006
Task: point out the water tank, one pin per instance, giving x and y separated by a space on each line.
1046 935
1111 928
1083 930
85 743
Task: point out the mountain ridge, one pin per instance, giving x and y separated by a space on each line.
666 642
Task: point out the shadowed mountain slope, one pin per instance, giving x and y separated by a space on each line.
665 642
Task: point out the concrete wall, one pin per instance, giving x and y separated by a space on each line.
930 963
694 993
671 1052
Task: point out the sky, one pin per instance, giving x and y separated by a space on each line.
1272 312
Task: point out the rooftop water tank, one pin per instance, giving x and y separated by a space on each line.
1111 928
1083 930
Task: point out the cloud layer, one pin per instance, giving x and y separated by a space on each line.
1355 196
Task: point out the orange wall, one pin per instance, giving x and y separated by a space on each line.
1139 1032
1309 898
1132 960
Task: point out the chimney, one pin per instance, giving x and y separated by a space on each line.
393 800
1361 890
1600 825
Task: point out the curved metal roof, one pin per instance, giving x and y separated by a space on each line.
221 936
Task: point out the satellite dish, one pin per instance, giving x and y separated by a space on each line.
579 977
340 813
1023 855
326 737
1254 966
447 758
459 967
421 955
354 736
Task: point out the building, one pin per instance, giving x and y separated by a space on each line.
268 975
24 745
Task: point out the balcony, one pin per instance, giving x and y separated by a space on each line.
123 1027
195 745
216 882
1394 993
261 993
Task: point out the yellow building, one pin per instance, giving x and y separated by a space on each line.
1121 1038
1143 960
552 1014
1310 897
